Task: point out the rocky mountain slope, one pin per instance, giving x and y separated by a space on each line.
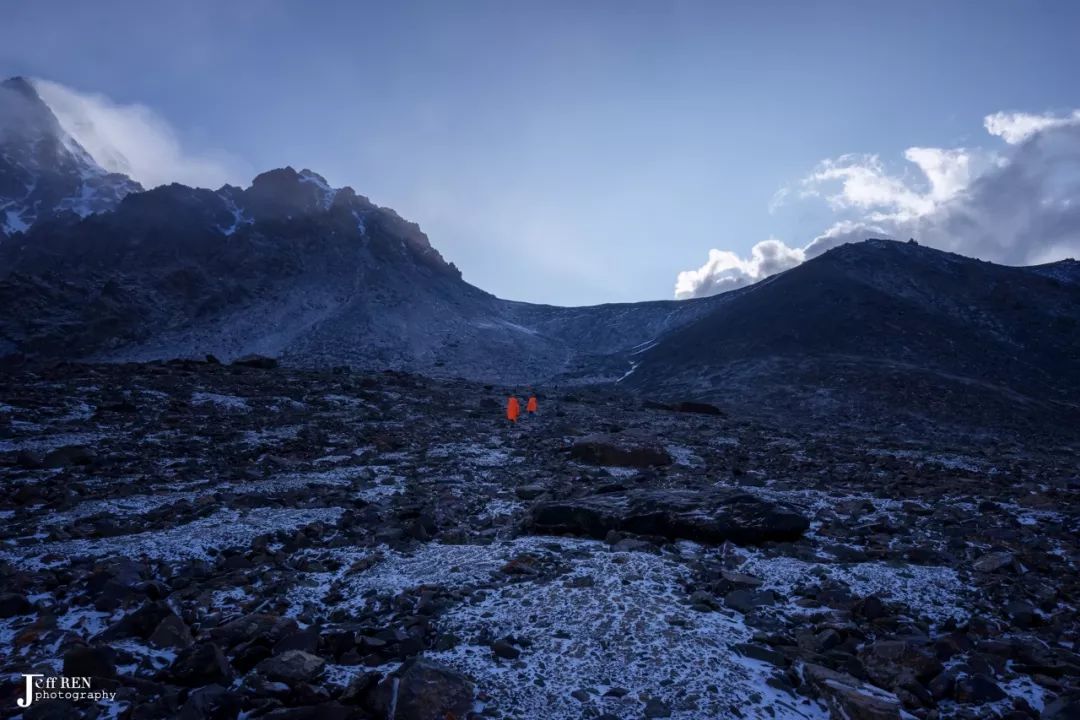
93 268
322 277
44 172
887 327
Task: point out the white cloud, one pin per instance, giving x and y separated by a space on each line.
725 270
1016 127
134 140
1019 207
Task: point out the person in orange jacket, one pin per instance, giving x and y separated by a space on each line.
513 409
531 406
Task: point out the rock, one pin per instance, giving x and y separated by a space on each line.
271 628
529 492
746 600
306 640
1022 614
870 608
359 688
51 710
712 516
89 661
201 664
212 702
619 450
12 604
292 666
848 698
893 663
256 361
656 708
505 650
171 632
977 689
141 623
993 562
69 455
426 690
1065 707
697 407
764 654
322 711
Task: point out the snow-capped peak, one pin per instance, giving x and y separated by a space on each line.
43 170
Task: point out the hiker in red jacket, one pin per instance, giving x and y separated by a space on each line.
513 409
532 405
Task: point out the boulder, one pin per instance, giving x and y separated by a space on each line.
426 690
89 661
292 666
200 665
848 698
712 516
623 450
171 632
212 702
256 361
12 604
894 663
697 407
69 455
270 628
992 562
977 689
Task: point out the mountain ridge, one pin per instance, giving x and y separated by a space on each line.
319 276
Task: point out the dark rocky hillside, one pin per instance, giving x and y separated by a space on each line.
887 328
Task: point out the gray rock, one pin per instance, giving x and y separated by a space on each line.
712 516
425 690
622 450
292 666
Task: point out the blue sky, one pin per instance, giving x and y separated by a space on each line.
571 152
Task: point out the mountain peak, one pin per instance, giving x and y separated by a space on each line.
21 85
43 170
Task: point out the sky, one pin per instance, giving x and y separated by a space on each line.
577 153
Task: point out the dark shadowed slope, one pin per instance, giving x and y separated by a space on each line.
885 327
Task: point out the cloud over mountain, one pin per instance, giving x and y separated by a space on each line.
1015 205
136 141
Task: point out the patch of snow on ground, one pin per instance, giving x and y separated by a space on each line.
684 456
51 442
226 402
474 454
194 540
498 508
935 592
950 462
630 628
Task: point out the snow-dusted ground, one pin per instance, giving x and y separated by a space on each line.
198 540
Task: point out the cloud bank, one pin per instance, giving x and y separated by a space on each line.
1018 206
134 140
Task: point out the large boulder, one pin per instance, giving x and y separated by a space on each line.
712 516
622 450
848 698
200 665
292 666
895 663
426 690
256 361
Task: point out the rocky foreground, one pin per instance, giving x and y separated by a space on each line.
214 541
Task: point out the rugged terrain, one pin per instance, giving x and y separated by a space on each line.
208 539
290 267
